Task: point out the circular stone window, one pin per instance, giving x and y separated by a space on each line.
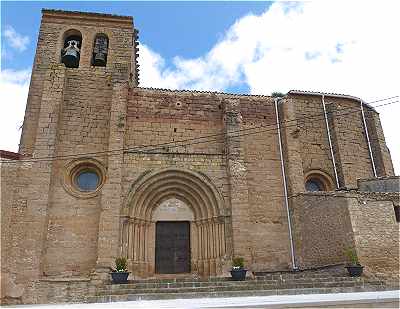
84 178
87 180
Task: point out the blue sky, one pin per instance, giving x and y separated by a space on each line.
241 47
188 29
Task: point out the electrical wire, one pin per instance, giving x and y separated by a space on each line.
142 149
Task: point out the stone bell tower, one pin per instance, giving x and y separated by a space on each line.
84 68
78 47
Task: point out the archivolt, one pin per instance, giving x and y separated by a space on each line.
189 186
209 230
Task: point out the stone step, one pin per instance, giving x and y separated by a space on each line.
293 275
234 286
272 276
228 288
229 293
142 285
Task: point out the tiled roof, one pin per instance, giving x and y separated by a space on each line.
205 92
86 13
4 154
298 92
330 94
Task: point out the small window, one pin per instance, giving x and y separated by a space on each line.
71 52
397 213
314 185
317 180
100 50
87 180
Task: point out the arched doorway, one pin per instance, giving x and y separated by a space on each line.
181 202
172 239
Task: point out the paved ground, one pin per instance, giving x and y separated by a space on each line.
384 299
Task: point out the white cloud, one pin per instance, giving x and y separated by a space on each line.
13 91
15 40
323 46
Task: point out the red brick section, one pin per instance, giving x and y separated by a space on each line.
4 154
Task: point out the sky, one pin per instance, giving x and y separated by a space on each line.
349 47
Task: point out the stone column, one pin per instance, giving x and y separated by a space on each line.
111 198
383 161
291 147
236 171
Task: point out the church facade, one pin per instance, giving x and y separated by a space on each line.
179 182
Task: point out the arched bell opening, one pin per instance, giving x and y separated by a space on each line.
100 50
180 202
71 51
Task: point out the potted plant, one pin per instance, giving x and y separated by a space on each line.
238 272
120 273
353 267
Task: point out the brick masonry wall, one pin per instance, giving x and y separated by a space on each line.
160 117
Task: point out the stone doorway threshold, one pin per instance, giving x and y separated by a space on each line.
172 276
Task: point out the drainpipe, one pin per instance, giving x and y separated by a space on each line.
330 143
285 186
368 141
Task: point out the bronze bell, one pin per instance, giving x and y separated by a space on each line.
71 54
100 51
99 59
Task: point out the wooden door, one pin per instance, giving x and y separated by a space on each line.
172 247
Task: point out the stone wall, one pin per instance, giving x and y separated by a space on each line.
315 151
376 232
156 117
325 224
121 60
386 184
347 135
322 228
8 210
225 145
266 206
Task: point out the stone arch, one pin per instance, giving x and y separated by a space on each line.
71 48
322 178
100 50
208 227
